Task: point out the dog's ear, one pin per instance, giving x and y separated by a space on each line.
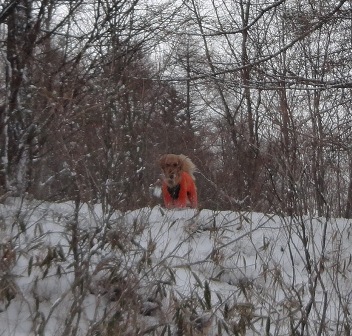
180 162
162 160
183 162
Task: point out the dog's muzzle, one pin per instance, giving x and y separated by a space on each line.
170 180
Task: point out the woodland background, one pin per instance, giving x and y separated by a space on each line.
257 93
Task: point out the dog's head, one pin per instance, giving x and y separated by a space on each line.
172 167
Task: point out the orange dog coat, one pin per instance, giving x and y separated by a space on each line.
181 195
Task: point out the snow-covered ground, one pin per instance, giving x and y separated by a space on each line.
74 269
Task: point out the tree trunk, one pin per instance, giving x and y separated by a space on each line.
348 212
17 128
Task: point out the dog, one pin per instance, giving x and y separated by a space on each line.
178 186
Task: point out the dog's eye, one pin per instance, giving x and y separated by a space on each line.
175 164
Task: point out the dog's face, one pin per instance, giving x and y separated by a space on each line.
171 166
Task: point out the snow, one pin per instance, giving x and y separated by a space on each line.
64 267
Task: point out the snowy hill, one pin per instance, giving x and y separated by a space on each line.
74 269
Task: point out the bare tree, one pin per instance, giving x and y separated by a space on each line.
269 72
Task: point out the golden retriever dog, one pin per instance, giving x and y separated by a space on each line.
178 187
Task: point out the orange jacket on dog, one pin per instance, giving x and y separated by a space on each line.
183 194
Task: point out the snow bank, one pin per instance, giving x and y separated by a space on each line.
77 270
